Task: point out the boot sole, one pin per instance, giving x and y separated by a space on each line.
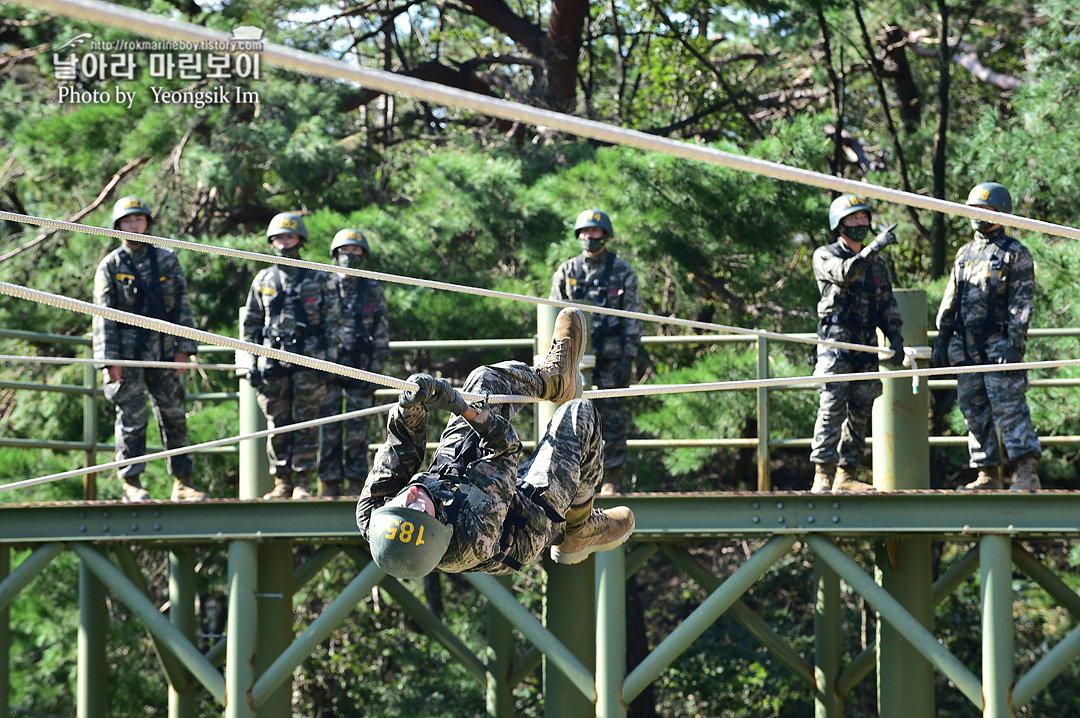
568 559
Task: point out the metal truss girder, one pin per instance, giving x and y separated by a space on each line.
658 516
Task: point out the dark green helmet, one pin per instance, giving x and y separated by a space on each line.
347 237
594 218
845 205
286 223
407 543
129 205
992 194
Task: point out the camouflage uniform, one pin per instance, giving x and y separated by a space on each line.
856 300
476 469
148 281
607 281
365 344
297 310
987 308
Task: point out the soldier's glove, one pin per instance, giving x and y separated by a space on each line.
447 398
254 377
1012 355
883 240
940 356
422 395
624 371
896 343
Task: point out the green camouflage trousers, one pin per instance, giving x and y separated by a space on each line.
996 399
344 454
615 419
292 398
843 412
167 396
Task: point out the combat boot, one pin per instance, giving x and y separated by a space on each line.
283 488
846 479
134 491
559 369
182 490
988 478
329 489
589 530
1027 478
300 484
823 478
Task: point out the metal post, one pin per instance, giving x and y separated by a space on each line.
903 567
93 623
182 615
275 632
764 472
610 633
254 463
500 646
995 576
242 630
5 636
90 426
827 649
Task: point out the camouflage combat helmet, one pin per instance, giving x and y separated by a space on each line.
992 194
130 205
844 206
594 218
286 223
349 237
407 543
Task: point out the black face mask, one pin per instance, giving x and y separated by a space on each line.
350 261
592 245
857 233
290 253
981 225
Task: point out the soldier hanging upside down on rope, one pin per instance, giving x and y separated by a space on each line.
475 509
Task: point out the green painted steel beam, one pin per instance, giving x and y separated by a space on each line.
27 571
526 665
1046 578
610 633
705 615
638 555
658 517
998 639
157 624
530 626
891 610
1051 665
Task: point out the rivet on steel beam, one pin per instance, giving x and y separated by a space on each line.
82 529
779 504
836 504
82 514
779 519
836 519
157 527
134 527
134 513
104 514
809 519
809 504
754 504
105 527
755 519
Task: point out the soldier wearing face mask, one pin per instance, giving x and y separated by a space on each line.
365 343
597 276
856 301
298 310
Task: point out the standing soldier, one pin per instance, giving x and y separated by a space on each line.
600 278
983 319
856 300
297 310
148 281
365 343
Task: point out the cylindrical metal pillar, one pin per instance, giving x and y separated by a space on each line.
827 648
902 461
764 472
500 648
93 623
275 620
182 615
995 577
90 425
254 463
242 630
5 636
610 633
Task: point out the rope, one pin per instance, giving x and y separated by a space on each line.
137 21
115 362
431 283
195 447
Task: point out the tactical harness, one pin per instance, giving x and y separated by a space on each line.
149 299
453 470
580 291
997 272
355 308
843 317
295 340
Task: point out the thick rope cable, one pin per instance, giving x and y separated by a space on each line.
19 358
98 468
883 352
137 21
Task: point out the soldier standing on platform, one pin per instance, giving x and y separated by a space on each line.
149 281
297 310
856 300
365 344
598 277
983 319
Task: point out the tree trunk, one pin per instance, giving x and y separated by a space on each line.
937 234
